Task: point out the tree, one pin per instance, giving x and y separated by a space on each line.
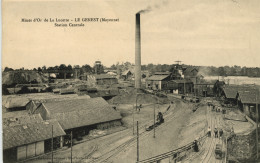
39 69
221 71
44 68
8 69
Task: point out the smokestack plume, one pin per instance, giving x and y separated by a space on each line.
137 52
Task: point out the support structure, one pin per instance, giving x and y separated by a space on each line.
52 143
133 120
154 121
137 141
71 147
257 116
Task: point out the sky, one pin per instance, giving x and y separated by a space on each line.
197 32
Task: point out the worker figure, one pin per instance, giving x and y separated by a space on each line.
216 132
209 132
220 133
195 146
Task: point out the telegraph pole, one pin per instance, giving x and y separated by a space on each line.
154 121
137 142
71 147
257 116
133 120
52 143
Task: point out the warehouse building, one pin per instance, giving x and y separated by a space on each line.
24 141
80 115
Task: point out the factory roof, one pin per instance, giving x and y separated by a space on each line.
14 119
81 112
248 97
157 77
15 102
231 91
33 132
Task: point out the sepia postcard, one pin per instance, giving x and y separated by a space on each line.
140 81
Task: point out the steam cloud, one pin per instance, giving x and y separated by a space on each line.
154 6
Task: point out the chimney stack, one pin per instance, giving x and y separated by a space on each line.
137 52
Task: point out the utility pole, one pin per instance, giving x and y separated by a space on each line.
257 123
184 88
137 142
154 121
71 147
133 120
52 143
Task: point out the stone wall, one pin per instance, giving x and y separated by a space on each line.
242 147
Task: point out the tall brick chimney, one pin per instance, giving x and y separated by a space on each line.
137 52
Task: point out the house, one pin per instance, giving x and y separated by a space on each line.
101 79
24 141
15 103
80 115
182 86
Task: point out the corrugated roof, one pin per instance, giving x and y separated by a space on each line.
30 133
157 77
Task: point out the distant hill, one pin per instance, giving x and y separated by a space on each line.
11 78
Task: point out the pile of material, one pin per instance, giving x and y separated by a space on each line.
129 95
22 77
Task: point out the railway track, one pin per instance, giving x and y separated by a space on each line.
142 134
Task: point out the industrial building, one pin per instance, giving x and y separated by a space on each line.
80 115
183 86
247 102
159 81
101 79
15 104
28 140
